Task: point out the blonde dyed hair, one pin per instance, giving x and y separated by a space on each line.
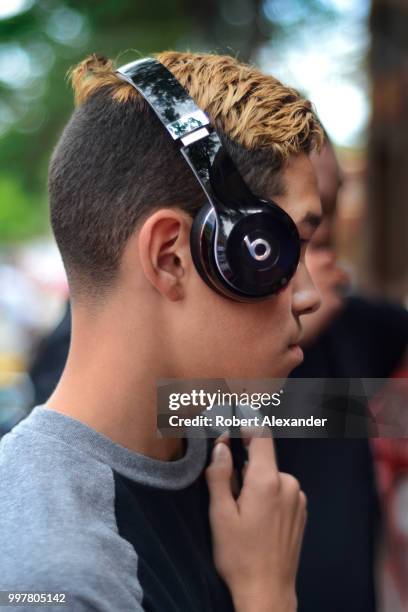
252 109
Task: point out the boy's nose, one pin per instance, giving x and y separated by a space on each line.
306 298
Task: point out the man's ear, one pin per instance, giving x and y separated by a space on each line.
164 251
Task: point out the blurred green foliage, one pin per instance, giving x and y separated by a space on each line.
41 42
21 214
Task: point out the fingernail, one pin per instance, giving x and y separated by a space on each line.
219 454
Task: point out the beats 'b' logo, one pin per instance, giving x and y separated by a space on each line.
259 248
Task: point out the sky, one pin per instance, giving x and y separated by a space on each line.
9 8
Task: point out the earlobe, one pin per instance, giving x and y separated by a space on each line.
162 247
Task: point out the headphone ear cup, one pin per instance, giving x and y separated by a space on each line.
237 267
202 238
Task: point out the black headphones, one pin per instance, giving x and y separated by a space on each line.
243 247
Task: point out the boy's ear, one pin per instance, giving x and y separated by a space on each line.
164 251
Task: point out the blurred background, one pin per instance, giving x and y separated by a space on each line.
350 57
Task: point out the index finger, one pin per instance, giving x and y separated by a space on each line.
261 454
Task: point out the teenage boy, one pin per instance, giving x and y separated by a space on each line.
92 502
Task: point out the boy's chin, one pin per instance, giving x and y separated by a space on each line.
265 370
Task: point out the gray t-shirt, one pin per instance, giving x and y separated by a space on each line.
113 529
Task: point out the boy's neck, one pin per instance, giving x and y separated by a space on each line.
110 385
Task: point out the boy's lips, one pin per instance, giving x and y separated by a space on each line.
296 351
295 341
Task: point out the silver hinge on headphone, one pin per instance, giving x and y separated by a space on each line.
190 127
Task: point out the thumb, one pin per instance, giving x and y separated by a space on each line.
219 475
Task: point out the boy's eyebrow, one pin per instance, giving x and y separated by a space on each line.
311 219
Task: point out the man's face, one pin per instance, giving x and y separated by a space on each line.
329 180
218 337
328 277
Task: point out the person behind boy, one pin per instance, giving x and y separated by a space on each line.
348 337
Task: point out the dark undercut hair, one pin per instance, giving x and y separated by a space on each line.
115 164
